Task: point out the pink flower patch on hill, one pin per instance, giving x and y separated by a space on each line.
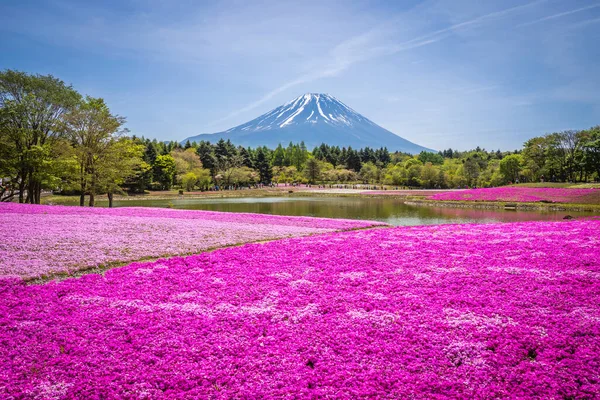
38 240
459 311
523 195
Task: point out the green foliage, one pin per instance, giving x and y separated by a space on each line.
164 169
369 173
429 176
31 110
433 158
312 170
510 167
51 138
567 156
263 166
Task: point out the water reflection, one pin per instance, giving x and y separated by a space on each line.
392 211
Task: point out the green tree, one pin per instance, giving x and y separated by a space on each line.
264 167
188 181
186 161
353 160
164 171
243 176
93 131
433 158
429 175
312 170
471 170
510 167
207 157
31 110
535 155
122 160
591 146
279 156
369 172
395 174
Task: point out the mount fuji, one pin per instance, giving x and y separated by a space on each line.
315 119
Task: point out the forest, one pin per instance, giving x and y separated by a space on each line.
53 139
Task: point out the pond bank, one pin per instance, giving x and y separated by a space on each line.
504 205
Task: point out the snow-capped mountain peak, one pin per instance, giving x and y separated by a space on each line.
310 108
314 118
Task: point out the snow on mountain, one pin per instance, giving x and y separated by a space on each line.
313 118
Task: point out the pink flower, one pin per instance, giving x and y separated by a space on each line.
450 311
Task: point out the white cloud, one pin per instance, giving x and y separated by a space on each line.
559 15
367 46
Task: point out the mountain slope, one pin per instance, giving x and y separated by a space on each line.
314 119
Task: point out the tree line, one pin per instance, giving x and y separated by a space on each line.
53 138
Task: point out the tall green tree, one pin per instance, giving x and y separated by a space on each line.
207 157
93 131
591 147
312 170
264 167
122 160
279 156
369 172
31 108
511 166
164 171
353 161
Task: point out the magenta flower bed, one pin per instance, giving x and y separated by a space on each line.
39 240
523 194
404 192
461 311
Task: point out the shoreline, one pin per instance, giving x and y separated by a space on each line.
506 205
410 197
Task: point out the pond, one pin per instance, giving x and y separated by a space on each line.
392 211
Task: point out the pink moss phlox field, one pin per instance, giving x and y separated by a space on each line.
459 311
412 192
38 240
523 195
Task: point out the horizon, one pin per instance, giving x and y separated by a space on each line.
436 73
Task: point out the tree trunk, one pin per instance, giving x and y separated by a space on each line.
38 193
30 189
92 188
22 191
110 200
82 183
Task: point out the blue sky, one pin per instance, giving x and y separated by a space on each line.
441 73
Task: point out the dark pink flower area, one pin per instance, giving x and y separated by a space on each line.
38 240
523 195
460 311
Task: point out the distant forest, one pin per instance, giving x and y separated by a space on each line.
52 138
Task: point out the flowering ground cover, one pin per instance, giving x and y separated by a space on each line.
462 311
411 192
523 194
38 240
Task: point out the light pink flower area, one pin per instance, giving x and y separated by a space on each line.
451 311
38 240
523 195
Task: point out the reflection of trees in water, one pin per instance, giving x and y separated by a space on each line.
390 210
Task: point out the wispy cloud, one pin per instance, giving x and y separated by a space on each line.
475 21
362 48
455 67
585 23
559 15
